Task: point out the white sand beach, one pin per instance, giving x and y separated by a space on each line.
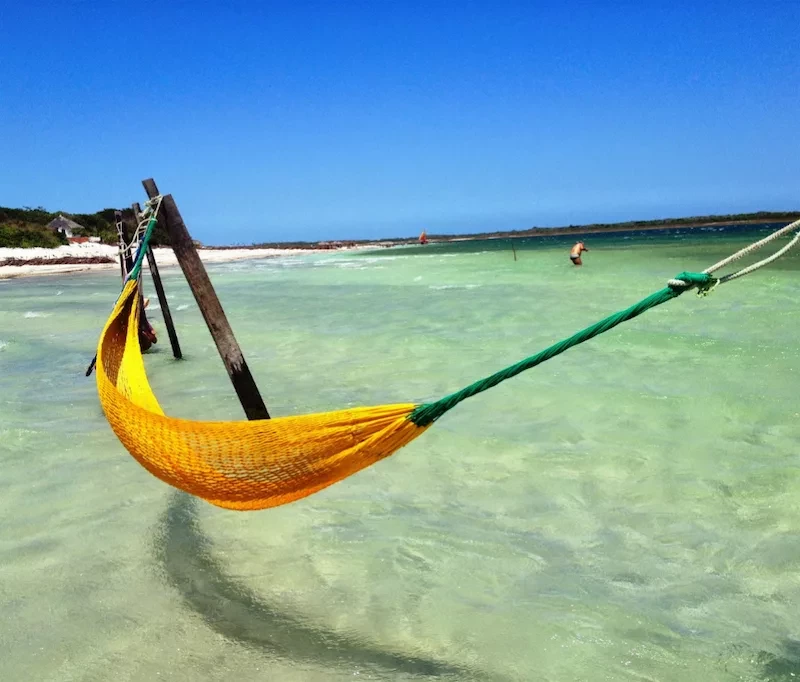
165 257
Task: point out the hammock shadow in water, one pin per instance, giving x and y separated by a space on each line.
235 612
784 667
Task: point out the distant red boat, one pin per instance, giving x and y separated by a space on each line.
422 238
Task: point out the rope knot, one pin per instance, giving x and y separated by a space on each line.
704 282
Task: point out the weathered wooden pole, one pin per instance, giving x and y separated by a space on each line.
162 297
210 307
513 248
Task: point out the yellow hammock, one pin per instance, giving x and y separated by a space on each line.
236 465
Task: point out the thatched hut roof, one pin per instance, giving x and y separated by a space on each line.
63 224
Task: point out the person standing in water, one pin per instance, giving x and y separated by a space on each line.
575 254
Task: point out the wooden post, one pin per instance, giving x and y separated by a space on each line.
513 249
162 297
210 307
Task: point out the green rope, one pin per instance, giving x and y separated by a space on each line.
143 244
430 412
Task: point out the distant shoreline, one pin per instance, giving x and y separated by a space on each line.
577 230
564 231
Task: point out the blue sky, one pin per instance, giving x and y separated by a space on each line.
278 121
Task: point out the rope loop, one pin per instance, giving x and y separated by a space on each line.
791 227
688 280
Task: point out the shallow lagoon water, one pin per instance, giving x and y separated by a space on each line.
627 511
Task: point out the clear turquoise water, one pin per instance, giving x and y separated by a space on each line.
628 511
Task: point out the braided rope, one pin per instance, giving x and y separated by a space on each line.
748 250
144 230
763 262
120 237
142 222
429 412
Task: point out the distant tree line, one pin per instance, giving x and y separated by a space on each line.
692 221
27 227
